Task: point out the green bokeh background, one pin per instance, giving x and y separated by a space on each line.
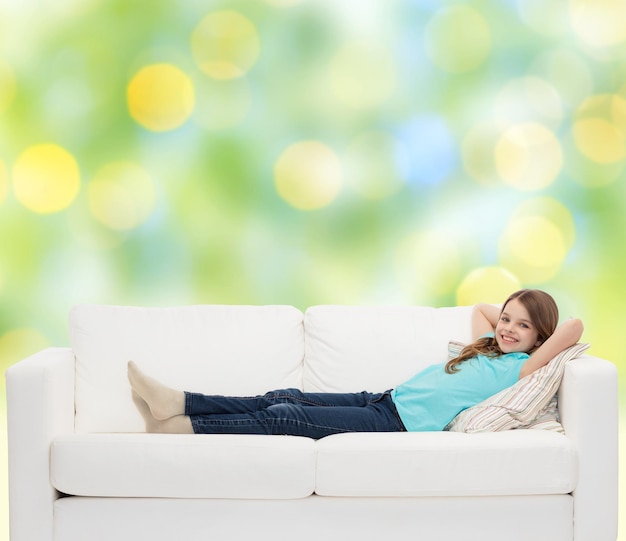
394 90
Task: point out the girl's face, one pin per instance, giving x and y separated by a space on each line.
515 331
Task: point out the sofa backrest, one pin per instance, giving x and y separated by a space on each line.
349 348
246 350
238 350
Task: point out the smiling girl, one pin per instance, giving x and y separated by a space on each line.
509 344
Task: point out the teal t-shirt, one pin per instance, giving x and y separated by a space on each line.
432 398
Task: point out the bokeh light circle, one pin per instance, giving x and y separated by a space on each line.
432 149
225 44
599 23
600 128
528 156
458 39
7 86
534 247
600 140
121 195
363 75
552 210
46 178
536 241
487 284
374 163
161 97
308 175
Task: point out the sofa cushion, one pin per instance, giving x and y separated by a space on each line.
183 466
446 464
239 350
355 348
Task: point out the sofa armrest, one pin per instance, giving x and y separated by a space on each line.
40 405
588 405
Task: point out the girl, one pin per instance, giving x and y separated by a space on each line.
509 344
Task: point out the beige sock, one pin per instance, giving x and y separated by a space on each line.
163 401
179 424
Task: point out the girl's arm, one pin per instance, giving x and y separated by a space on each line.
484 319
566 335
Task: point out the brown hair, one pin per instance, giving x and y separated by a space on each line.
543 313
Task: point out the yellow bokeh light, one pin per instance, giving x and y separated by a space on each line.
528 156
363 75
552 210
371 165
46 178
535 241
599 23
160 97
4 182
533 247
600 140
600 128
121 195
225 44
308 175
7 86
590 173
458 39
487 284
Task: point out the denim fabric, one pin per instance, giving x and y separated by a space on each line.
292 412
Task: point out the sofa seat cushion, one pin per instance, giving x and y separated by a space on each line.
518 462
183 466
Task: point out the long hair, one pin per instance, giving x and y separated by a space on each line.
543 313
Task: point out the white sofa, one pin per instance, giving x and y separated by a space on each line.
80 466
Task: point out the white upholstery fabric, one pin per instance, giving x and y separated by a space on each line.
246 467
446 464
40 405
355 348
514 518
588 404
237 350
183 466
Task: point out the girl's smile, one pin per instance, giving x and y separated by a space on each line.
515 331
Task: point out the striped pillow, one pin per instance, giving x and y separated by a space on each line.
527 404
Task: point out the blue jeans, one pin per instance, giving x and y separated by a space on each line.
292 412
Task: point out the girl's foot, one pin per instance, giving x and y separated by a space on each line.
162 401
180 424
